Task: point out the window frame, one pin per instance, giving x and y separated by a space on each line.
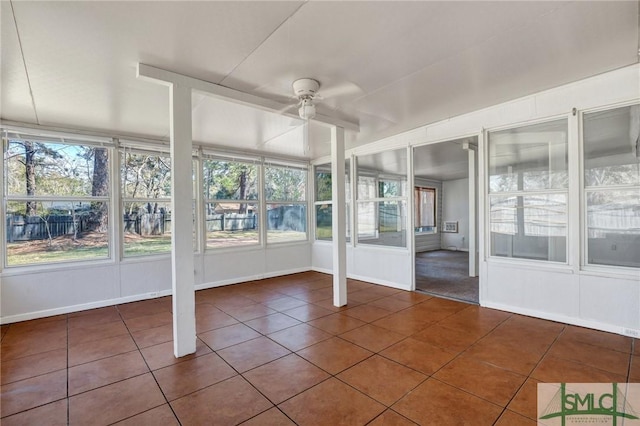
258 164
379 177
317 203
585 265
123 149
417 190
60 138
488 194
264 206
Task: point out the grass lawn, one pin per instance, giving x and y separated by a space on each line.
95 245
41 252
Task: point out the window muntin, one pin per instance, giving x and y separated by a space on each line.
324 203
528 192
56 198
231 203
612 186
146 202
425 210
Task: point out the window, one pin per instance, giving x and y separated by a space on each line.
285 192
146 202
425 210
231 203
612 186
57 199
324 204
382 199
528 187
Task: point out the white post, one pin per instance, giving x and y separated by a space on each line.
472 213
184 318
338 217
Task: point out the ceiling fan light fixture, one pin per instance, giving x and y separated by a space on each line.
307 109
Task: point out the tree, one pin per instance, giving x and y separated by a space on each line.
30 175
284 184
227 180
100 188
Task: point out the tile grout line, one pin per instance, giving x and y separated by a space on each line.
532 370
138 375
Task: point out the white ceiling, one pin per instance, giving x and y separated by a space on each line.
405 64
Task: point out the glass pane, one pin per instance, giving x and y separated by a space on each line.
56 169
324 221
529 227
390 227
323 182
391 188
529 158
145 175
286 222
147 228
284 184
56 231
228 180
231 224
611 147
367 187
613 227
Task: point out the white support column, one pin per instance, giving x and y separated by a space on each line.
338 217
184 318
483 223
473 258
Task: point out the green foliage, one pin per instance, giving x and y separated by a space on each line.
227 180
323 186
284 184
145 175
60 170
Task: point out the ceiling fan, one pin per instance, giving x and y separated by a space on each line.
305 90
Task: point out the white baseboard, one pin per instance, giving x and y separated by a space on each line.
137 297
82 307
366 279
580 322
238 280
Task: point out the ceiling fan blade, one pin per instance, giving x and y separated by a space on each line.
287 108
338 90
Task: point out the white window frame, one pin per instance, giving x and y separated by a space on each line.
66 139
266 201
584 228
488 195
122 151
205 200
435 211
330 201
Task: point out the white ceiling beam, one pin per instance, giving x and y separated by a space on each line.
161 76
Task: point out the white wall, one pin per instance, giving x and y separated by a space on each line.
56 289
597 297
455 208
377 264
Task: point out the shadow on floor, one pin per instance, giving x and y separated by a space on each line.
446 273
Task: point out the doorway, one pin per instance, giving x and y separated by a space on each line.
445 216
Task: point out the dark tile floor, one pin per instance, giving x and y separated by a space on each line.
276 352
445 273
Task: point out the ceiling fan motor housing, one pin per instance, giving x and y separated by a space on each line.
305 87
